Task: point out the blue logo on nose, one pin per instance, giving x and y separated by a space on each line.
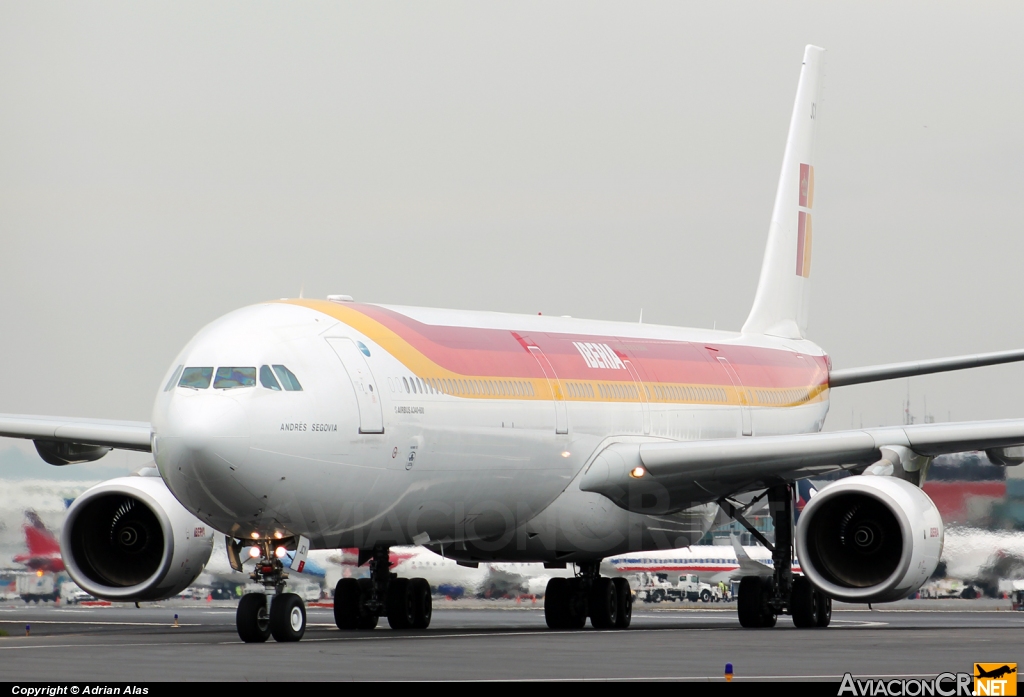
362 347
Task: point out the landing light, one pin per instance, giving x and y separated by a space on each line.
254 552
255 536
566 453
280 552
278 535
637 472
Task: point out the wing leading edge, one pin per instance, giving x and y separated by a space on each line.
123 435
678 475
890 371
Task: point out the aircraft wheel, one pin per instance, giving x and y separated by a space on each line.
803 603
400 614
365 618
603 604
824 610
748 606
556 602
576 609
625 603
768 616
252 619
420 600
287 617
347 594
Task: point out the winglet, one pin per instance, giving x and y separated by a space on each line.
747 566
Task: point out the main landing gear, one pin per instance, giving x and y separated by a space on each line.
359 603
569 601
763 598
273 613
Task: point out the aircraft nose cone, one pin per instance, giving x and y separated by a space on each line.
201 441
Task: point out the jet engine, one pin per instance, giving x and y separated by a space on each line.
869 539
130 539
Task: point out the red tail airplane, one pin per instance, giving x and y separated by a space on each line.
43 547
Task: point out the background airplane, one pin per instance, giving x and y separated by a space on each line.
43 548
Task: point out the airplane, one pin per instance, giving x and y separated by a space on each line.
713 563
304 424
995 672
43 548
490 580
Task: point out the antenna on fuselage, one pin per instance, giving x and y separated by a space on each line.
302 289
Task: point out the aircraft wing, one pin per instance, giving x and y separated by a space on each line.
874 373
124 435
747 567
677 475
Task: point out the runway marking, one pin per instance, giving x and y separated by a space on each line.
705 678
169 625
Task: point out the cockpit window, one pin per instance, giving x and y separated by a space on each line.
229 378
287 378
267 378
174 379
196 378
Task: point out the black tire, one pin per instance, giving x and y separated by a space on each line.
803 603
556 602
287 617
347 595
705 596
624 595
419 597
603 604
824 610
252 619
748 604
768 616
366 619
576 608
398 604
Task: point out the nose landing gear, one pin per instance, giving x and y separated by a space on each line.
569 601
359 603
274 612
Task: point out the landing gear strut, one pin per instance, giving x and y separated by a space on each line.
763 598
569 601
359 603
272 612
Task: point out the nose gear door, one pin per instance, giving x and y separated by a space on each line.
371 416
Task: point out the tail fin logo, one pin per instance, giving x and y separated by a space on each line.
803 239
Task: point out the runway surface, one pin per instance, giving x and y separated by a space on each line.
467 641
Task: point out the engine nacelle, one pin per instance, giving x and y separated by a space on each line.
869 539
130 539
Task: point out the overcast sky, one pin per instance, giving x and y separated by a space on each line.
162 164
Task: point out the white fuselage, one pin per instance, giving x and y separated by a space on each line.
463 431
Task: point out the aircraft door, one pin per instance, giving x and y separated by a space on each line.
371 415
742 392
644 404
557 396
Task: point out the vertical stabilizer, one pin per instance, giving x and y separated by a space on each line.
780 306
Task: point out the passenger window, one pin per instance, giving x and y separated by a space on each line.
230 378
267 378
196 378
288 379
174 379
406 383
